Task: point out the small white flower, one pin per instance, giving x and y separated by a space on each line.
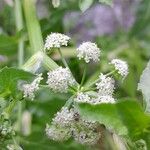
82 98
56 40
105 86
103 99
59 79
88 51
29 89
120 66
64 118
13 147
57 133
87 137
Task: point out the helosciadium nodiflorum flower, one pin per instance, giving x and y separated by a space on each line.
30 89
57 133
64 118
85 98
87 137
60 79
121 66
105 86
103 99
88 51
13 147
82 97
62 127
56 40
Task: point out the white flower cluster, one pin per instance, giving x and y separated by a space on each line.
120 66
57 133
87 137
82 98
64 118
59 79
30 89
56 40
105 86
88 51
85 98
6 129
68 123
14 147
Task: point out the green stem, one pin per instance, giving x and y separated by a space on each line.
62 58
8 110
19 27
94 82
83 77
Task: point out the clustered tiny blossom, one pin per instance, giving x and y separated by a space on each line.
56 40
64 117
105 85
30 89
63 127
88 51
121 66
57 133
60 79
13 147
82 98
104 99
87 137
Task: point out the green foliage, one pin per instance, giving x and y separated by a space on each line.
9 78
126 113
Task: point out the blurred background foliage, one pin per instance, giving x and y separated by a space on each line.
121 29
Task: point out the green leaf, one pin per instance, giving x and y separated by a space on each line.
33 26
108 2
144 86
105 114
119 117
133 118
9 78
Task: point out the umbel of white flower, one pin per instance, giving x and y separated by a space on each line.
57 133
105 85
99 99
64 118
30 89
60 79
56 40
121 66
62 128
88 51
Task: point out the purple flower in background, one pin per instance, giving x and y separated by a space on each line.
100 20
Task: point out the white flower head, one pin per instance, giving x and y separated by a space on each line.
57 133
60 79
64 118
121 66
103 99
30 89
56 40
88 51
106 85
87 137
13 147
82 98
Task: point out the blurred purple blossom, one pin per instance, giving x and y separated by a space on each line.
100 20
